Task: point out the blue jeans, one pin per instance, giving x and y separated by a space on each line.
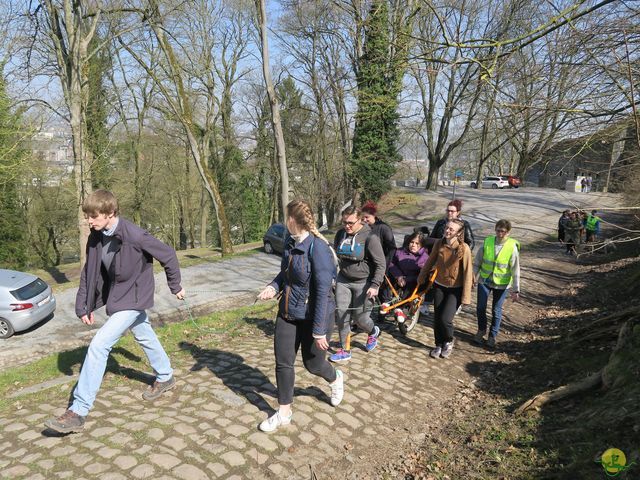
499 295
95 363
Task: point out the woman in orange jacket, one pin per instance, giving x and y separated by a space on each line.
451 257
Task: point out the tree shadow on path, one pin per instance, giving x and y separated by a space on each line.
243 380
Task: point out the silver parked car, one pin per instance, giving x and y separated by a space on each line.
24 301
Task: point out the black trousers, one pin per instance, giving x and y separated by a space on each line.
445 303
289 337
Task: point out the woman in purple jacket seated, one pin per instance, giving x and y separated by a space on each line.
405 267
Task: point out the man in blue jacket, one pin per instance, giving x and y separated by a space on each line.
118 273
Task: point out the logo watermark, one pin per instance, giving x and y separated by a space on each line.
614 462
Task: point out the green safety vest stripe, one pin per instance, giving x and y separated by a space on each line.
497 268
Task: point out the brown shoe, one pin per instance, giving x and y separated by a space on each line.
158 388
68 422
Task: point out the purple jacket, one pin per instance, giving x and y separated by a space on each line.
132 267
406 264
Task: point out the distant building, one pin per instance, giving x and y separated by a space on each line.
603 156
55 150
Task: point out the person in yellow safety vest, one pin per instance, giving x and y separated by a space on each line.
592 226
496 270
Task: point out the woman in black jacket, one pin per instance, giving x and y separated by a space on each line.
454 209
379 228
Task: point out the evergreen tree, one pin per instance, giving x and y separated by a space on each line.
13 244
375 137
96 113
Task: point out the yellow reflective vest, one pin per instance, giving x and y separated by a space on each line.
592 223
499 269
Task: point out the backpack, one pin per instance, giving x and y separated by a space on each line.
336 263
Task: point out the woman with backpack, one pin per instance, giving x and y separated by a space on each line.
305 312
362 267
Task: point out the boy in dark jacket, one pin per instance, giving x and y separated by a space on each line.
118 273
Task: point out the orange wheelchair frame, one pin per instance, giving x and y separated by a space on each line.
414 300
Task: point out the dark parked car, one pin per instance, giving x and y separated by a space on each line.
24 301
273 240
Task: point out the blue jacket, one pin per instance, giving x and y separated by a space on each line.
307 284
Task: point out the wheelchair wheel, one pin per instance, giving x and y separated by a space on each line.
413 314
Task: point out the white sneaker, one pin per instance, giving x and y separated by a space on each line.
401 317
337 389
435 352
274 421
447 349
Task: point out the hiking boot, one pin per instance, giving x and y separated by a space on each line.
372 340
401 317
275 421
68 422
447 349
435 352
337 389
341 355
491 341
158 388
479 337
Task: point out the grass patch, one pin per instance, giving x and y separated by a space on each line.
127 359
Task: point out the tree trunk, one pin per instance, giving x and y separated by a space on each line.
275 107
204 215
432 177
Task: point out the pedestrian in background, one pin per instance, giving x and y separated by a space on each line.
564 218
592 226
573 229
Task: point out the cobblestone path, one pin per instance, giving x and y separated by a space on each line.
207 427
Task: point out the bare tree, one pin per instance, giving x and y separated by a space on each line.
67 27
273 102
177 97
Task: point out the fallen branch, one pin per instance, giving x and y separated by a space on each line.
615 372
613 319
589 383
